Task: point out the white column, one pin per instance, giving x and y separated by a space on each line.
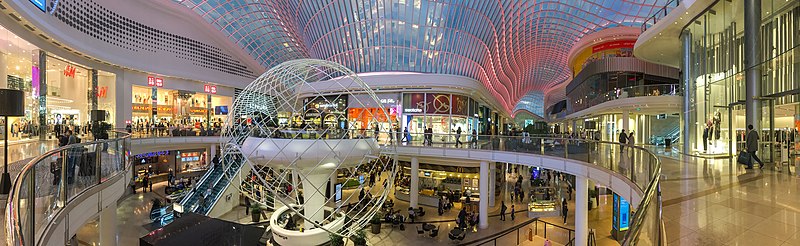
108 225
581 210
492 183
123 93
483 205
414 189
626 116
314 197
333 184
3 71
212 151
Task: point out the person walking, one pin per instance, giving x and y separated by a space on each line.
631 140
405 135
623 139
503 210
512 212
458 137
752 147
246 205
474 139
564 210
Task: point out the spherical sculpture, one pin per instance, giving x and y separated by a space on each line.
294 141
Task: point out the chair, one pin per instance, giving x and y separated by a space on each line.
435 232
457 234
420 231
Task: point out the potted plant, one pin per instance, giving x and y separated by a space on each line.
375 222
255 213
336 240
359 239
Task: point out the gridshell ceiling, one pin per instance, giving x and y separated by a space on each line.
512 46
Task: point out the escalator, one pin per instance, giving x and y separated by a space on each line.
210 187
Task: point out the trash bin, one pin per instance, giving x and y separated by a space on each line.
668 142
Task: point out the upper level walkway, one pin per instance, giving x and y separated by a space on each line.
707 201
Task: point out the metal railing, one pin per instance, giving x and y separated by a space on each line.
637 164
501 236
661 13
627 92
48 183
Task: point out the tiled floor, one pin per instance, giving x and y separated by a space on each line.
717 202
705 202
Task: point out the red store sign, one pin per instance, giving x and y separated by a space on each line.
613 45
69 71
153 81
210 89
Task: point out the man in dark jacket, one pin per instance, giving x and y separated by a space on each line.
752 147
623 139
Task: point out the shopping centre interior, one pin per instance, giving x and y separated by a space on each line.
400 122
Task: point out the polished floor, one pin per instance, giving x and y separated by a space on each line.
705 202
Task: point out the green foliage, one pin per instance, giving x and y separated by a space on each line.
351 183
336 240
360 238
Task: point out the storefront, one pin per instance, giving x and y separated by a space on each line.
716 47
443 113
363 112
72 90
176 107
437 181
326 111
17 71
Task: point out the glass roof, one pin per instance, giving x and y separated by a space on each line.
512 46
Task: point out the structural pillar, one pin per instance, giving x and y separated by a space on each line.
581 210
314 197
413 196
752 58
3 72
212 151
483 204
108 225
93 90
626 117
39 81
492 183
332 188
688 114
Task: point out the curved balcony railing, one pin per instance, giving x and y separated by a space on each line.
637 164
45 185
588 101
660 14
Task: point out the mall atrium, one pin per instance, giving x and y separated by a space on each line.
400 122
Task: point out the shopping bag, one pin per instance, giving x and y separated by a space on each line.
744 158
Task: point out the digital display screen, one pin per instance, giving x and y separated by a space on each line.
41 4
221 110
624 209
338 192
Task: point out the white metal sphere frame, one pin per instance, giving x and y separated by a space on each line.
277 157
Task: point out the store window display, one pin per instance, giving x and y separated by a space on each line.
444 114
67 101
17 71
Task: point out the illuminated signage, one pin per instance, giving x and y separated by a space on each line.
210 89
69 71
613 45
102 91
41 4
153 81
152 154
388 101
412 110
